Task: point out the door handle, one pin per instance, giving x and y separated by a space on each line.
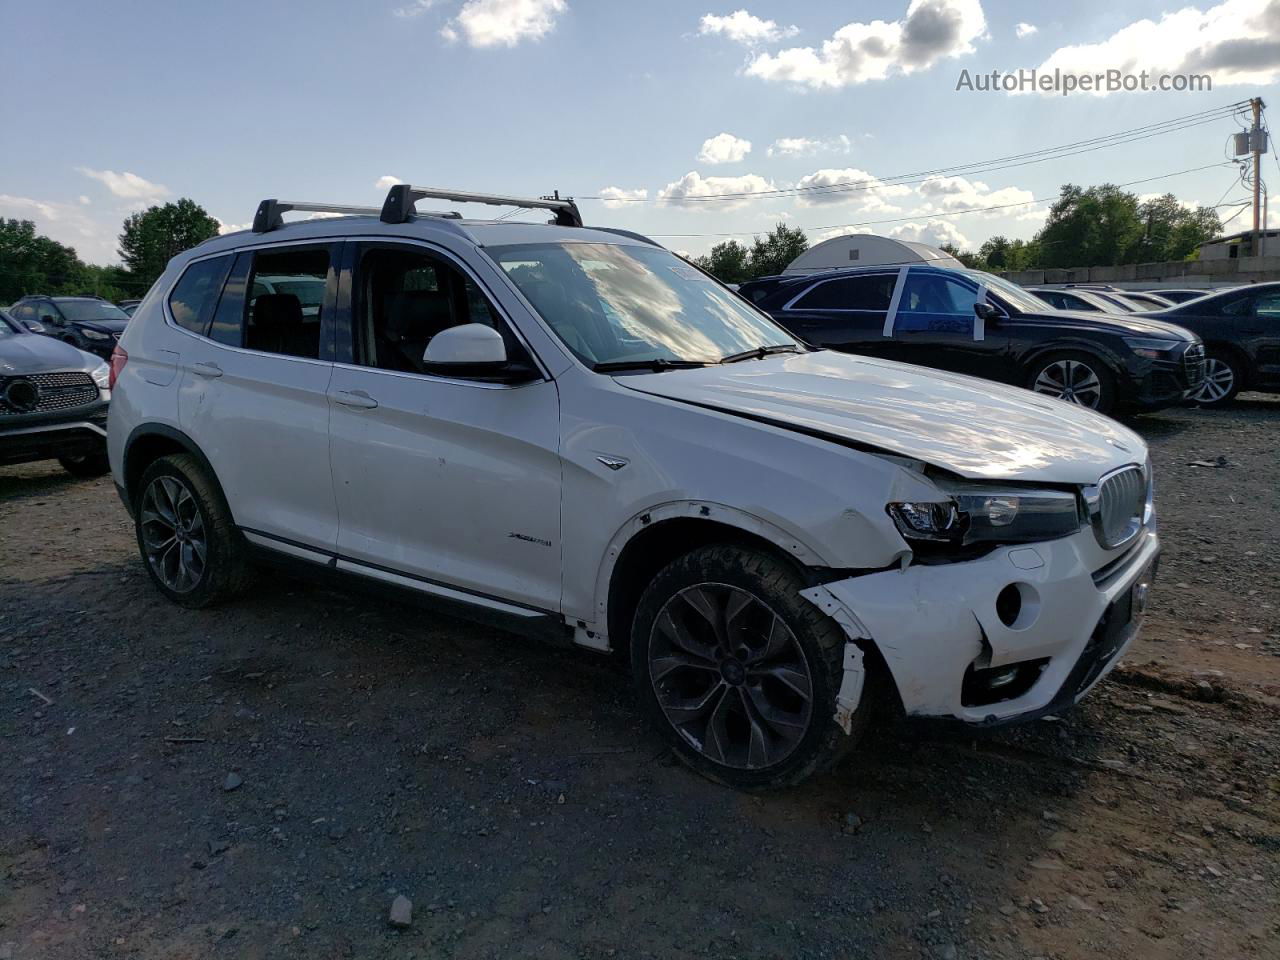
209 370
355 398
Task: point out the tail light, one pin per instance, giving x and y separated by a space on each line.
118 359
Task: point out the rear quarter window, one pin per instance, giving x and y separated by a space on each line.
195 295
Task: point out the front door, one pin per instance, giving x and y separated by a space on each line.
449 481
936 325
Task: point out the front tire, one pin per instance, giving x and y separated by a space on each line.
1222 380
192 550
738 671
1075 377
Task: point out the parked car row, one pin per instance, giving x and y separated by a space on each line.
92 324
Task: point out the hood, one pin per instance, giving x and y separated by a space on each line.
32 353
974 428
1125 324
106 326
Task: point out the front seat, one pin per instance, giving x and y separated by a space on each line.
278 327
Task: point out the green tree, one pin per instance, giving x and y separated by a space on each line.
154 236
972 260
31 263
774 252
727 262
1097 227
1172 231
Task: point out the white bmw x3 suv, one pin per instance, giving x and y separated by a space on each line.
574 432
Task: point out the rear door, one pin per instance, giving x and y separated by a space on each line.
444 481
842 313
254 396
1260 336
936 325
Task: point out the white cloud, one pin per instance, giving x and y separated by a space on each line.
386 182
503 23
67 223
951 194
858 187
741 27
724 148
128 186
1024 30
414 9
84 201
931 31
933 232
693 184
1236 42
807 146
224 227
616 197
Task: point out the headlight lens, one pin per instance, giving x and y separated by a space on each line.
102 376
96 334
979 514
1153 349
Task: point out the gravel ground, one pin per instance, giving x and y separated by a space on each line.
264 780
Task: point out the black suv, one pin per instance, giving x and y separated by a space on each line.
1241 332
977 323
85 322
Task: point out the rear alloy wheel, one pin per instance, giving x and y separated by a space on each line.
1076 378
1221 381
739 672
194 554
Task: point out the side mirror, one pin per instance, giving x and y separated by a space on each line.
986 311
472 345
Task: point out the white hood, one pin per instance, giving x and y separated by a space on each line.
974 428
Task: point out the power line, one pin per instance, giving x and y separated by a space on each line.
940 216
1061 151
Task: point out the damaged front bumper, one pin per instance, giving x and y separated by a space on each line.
1024 631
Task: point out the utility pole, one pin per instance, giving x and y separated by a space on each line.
1255 142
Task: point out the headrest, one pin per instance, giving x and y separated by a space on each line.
277 310
417 314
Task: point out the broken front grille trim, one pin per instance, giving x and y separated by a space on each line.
55 391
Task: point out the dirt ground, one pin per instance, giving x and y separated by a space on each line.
512 792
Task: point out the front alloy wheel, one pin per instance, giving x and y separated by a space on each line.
173 536
729 676
1071 380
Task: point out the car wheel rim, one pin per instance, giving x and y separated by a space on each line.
1219 378
1070 380
730 676
173 535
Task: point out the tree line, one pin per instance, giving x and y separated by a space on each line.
1099 226
32 263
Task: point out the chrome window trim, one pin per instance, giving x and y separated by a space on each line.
809 289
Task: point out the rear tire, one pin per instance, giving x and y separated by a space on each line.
192 551
86 464
739 672
1223 377
1075 377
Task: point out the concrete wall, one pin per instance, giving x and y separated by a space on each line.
1179 273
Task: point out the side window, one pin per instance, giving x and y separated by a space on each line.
850 293
23 312
405 297
196 293
1268 306
1239 307
287 293
936 304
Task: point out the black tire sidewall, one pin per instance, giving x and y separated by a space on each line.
761 575
1106 379
224 552
90 465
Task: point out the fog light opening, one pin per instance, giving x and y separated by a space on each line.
982 688
1018 606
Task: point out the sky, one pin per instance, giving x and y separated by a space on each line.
644 107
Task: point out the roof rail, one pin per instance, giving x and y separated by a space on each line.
270 212
399 205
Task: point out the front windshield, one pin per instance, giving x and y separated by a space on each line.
1017 297
615 303
80 310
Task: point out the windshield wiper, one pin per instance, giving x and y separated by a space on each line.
759 353
656 364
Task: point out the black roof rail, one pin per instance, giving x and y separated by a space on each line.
399 205
270 215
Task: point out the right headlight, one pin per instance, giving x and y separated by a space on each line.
974 513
